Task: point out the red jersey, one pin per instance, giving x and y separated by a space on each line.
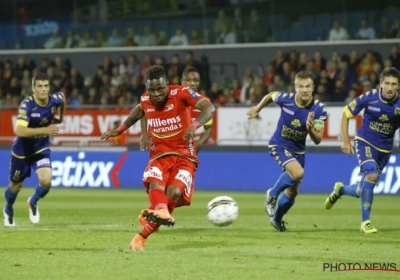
166 127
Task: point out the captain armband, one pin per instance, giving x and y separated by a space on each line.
319 123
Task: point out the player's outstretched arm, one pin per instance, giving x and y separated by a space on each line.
27 132
347 148
268 99
62 111
135 115
144 137
208 127
315 128
207 111
62 108
350 111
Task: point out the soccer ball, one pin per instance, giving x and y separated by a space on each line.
222 211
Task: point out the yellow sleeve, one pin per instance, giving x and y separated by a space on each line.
347 112
274 95
22 123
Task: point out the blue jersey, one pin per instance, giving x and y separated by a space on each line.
380 121
33 115
291 131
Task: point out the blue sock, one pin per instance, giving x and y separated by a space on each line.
283 183
349 190
10 199
40 192
367 196
284 204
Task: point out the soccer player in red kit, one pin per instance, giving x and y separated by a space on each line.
173 159
191 78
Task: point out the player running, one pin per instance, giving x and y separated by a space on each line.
35 122
373 142
173 158
191 78
301 115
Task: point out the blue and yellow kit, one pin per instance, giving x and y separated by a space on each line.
33 152
289 140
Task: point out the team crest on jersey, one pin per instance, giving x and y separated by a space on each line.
169 107
296 123
174 92
145 98
383 118
397 111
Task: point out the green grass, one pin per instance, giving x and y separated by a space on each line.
85 234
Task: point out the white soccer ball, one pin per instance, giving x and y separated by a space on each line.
222 211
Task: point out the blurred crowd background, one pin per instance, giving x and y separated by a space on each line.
339 76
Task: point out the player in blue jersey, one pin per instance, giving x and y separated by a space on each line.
373 142
301 115
35 122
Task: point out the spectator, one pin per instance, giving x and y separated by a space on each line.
162 39
366 32
386 31
396 29
338 33
115 40
148 39
132 39
226 36
86 41
196 39
395 56
72 41
55 41
239 26
100 40
179 39
221 21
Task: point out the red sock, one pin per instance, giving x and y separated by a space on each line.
158 200
171 205
148 229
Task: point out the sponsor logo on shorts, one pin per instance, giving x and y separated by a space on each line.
153 172
42 162
186 178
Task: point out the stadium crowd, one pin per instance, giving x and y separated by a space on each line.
339 78
237 27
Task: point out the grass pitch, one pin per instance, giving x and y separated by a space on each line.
85 234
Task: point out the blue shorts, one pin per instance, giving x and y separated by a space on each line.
369 158
20 168
283 156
